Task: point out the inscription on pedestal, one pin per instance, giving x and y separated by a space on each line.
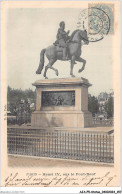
58 98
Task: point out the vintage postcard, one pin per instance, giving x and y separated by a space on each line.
60 94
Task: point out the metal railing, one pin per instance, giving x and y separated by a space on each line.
26 118
107 122
19 119
98 147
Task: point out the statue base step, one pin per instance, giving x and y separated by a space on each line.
63 119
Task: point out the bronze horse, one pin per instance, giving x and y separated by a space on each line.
54 53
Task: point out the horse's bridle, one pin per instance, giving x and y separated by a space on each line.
84 38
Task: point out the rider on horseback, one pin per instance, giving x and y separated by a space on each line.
62 37
54 53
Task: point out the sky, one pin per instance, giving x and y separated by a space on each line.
29 30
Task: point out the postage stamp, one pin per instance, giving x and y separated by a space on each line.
108 11
98 20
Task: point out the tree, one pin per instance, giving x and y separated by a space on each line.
14 97
93 105
109 107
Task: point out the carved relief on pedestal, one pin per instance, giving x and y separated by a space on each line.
58 98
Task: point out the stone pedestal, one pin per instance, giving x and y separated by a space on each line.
62 103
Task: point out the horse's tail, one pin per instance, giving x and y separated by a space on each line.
41 64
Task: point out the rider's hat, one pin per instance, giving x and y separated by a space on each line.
61 23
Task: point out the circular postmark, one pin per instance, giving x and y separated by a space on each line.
95 21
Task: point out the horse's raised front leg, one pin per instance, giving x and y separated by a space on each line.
83 61
51 62
72 65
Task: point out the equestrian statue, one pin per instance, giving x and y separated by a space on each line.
65 48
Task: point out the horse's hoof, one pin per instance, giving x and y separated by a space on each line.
80 70
56 72
72 75
46 77
38 72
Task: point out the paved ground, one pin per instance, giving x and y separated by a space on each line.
21 161
104 129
